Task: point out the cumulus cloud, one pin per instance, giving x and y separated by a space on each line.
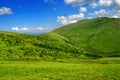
105 2
113 5
70 19
25 29
76 16
117 1
101 13
115 16
101 8
62 20
94 5
83 9
15 29
65 20
78 2
5 10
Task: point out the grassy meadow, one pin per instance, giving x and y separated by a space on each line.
86 50
89 69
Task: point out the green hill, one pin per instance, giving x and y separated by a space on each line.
46 46
100 36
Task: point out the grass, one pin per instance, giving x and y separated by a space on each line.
69 53
61 70
16 46
99 36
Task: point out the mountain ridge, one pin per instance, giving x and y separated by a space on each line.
94 33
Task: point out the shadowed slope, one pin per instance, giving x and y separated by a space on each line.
24 46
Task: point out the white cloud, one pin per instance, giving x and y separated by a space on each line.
62 20
105 2
101 13
78 2
38 29
108 8
104 13
113 5
24 29
94 5
117 1
15 29
83 9
115 16
5 10
76 16
118 11
70 19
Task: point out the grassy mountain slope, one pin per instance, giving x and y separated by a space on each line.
94 37
24 46
99 36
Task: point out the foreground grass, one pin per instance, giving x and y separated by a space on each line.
42 70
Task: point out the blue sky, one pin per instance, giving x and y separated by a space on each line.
46 15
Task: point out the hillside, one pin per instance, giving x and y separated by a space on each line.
100 36
46 46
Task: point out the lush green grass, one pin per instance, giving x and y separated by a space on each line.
100 36
61 70
16 46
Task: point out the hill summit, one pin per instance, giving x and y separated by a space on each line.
98 36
